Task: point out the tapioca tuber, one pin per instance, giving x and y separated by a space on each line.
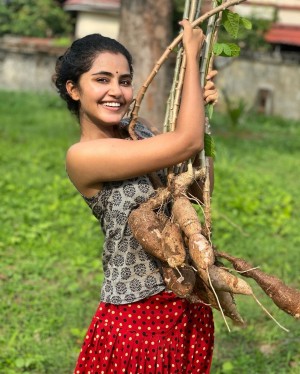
173 246
180 280
201 251
223 280
285 297
226 300
228 306
186 216
147 228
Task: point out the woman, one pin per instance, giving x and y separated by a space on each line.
139 327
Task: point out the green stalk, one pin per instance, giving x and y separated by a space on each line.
170 102
206 66
186 11
164 56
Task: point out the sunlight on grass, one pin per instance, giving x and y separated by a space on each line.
50 265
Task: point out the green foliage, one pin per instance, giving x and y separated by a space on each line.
209 146
39 18
226 49
232 23
255 210
50 244
248 33
235 110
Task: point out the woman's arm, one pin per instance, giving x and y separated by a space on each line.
210 95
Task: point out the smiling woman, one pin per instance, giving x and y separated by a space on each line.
94 77
104 93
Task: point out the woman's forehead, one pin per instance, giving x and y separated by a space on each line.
111 62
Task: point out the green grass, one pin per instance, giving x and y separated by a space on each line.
50 244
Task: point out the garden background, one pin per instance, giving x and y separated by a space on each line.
50 244
50 265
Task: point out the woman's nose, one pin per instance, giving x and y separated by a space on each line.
115 89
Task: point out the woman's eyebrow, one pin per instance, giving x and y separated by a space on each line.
109 74
103 73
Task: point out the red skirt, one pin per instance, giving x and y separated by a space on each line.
162 334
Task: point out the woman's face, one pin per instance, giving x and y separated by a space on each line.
105 91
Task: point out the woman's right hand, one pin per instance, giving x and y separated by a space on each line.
192 39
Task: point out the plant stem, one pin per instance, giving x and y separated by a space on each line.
165 55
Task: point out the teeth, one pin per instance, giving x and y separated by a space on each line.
112 104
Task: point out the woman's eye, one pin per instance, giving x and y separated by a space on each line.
126 82
102 80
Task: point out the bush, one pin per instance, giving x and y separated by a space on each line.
39 18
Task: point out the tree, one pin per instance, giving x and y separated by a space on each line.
146 30
40 18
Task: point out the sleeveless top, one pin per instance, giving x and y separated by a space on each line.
130 274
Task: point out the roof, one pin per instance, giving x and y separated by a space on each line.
92 5
279 34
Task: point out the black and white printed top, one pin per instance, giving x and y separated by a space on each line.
130 274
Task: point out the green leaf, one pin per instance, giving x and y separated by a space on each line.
209 110
234 49
231 22
246 23
209 146
218 49
226 49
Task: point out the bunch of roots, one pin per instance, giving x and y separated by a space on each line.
167 225
191 268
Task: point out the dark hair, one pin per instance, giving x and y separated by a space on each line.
79 58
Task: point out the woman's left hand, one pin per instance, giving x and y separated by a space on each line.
210 93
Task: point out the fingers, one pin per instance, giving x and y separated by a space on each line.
211 97
210 93
211 74
186 25
192 39
209 85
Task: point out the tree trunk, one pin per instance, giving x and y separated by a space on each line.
146 30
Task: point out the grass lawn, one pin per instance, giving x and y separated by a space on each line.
50 244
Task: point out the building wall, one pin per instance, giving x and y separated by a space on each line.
30 69
89 23
246 79
26 67
288 11
289 17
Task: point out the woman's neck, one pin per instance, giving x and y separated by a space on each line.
90 131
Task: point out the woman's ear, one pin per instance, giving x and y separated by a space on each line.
72 90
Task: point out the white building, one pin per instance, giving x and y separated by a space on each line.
95 16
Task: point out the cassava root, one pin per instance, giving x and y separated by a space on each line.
190 266
285 297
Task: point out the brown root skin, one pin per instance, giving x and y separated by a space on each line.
285 297
204 293
201 251
186 216
146 228
161 197
173 246
181 281
229 307
222 280
180 184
